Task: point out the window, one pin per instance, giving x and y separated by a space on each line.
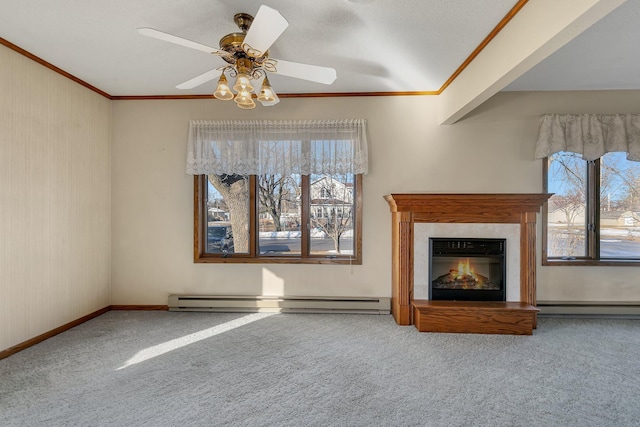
284 192
593 218
253 219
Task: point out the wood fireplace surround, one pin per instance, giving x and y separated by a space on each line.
459 316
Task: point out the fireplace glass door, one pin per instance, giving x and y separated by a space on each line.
467 269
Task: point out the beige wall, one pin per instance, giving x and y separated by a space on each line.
491 150
54 200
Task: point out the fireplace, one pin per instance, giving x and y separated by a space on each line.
409 212
467 269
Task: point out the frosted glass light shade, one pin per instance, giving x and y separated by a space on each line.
223 91
274 101
248 105
243 97
267 93
243 83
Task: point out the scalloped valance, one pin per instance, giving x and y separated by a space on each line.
591 135
257 147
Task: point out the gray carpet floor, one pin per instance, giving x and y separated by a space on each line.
144 368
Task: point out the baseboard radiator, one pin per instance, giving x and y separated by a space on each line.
252 304
589 309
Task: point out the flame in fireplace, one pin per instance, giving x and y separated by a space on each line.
464 277
465 269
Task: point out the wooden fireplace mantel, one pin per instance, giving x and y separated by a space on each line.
408 209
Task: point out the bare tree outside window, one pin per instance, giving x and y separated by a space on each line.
332 205
279 195
279 215
619 207
567 227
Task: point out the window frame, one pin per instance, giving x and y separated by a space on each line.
253 257
592 258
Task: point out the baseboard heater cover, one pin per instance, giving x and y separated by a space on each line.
252 304
588 309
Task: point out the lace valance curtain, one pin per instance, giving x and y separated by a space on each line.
256 147
591 135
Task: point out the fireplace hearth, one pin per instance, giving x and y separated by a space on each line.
467 269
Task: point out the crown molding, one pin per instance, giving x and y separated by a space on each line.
52 67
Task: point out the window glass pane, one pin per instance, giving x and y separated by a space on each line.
279 215
567 214
619 207
227 214
332 213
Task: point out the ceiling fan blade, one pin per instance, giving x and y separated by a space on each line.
312 73
202 78
150 32
265 29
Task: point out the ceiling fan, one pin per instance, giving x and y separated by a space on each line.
247 55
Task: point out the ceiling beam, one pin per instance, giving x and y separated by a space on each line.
539 29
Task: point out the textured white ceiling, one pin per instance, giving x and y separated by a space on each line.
375 45
604 57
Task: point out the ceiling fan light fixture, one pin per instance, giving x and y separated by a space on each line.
223 91
267 94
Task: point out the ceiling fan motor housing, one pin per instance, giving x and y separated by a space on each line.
232 42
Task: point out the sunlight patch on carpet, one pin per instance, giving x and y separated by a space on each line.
174 344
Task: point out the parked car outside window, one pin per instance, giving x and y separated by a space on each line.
219 238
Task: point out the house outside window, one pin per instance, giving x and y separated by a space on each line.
333 198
